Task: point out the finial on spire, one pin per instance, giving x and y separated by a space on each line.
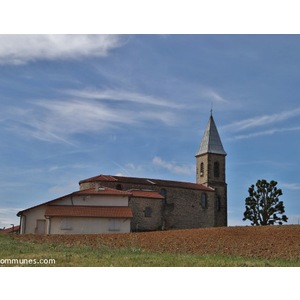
211 110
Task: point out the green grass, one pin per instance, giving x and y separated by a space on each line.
103 256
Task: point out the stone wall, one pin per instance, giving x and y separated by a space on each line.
182 208
147 213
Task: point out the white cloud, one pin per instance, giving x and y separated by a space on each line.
63 189
290 186
123 169
262 120
267 132
57 120
74 166
212 95
157 161
53 168
122 95
134 167
21 49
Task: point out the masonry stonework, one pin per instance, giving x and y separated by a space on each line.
147 214
206 176
182 207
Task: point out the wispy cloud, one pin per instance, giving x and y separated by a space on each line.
115 163
57 120
262 120
29 172
290 186
138 168
21 49
263 162
172 167
212 95
122 95
266 132
63 189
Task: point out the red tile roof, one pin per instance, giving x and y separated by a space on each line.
147 181
101 191
145 194
89 211
10 230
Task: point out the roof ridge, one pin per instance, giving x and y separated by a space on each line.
76 193
146 181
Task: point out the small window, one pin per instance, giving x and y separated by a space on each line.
119 187
148 212
163 192
218 204
216 169
202 170
114 224
66 224
203 201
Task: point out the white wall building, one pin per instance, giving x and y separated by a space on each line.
98 210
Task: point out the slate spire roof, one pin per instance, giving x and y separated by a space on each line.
211 142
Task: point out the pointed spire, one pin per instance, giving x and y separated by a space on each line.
211 142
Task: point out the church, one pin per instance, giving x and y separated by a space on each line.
117 204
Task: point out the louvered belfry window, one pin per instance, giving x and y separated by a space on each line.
216 169
202 169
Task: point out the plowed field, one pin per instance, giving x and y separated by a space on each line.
270 242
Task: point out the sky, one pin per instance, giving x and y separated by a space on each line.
76 106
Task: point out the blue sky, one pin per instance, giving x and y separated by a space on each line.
76 106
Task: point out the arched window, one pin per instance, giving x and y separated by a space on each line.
218 204
202 170
119 187
216 169
203 200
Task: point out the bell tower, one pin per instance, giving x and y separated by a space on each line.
211 170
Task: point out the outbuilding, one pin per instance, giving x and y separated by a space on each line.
98 210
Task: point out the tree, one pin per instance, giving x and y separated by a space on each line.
263 206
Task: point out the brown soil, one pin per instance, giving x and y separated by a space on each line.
270 242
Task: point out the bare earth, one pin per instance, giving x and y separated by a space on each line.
270 242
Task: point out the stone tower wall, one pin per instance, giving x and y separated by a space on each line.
208 161
218 183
